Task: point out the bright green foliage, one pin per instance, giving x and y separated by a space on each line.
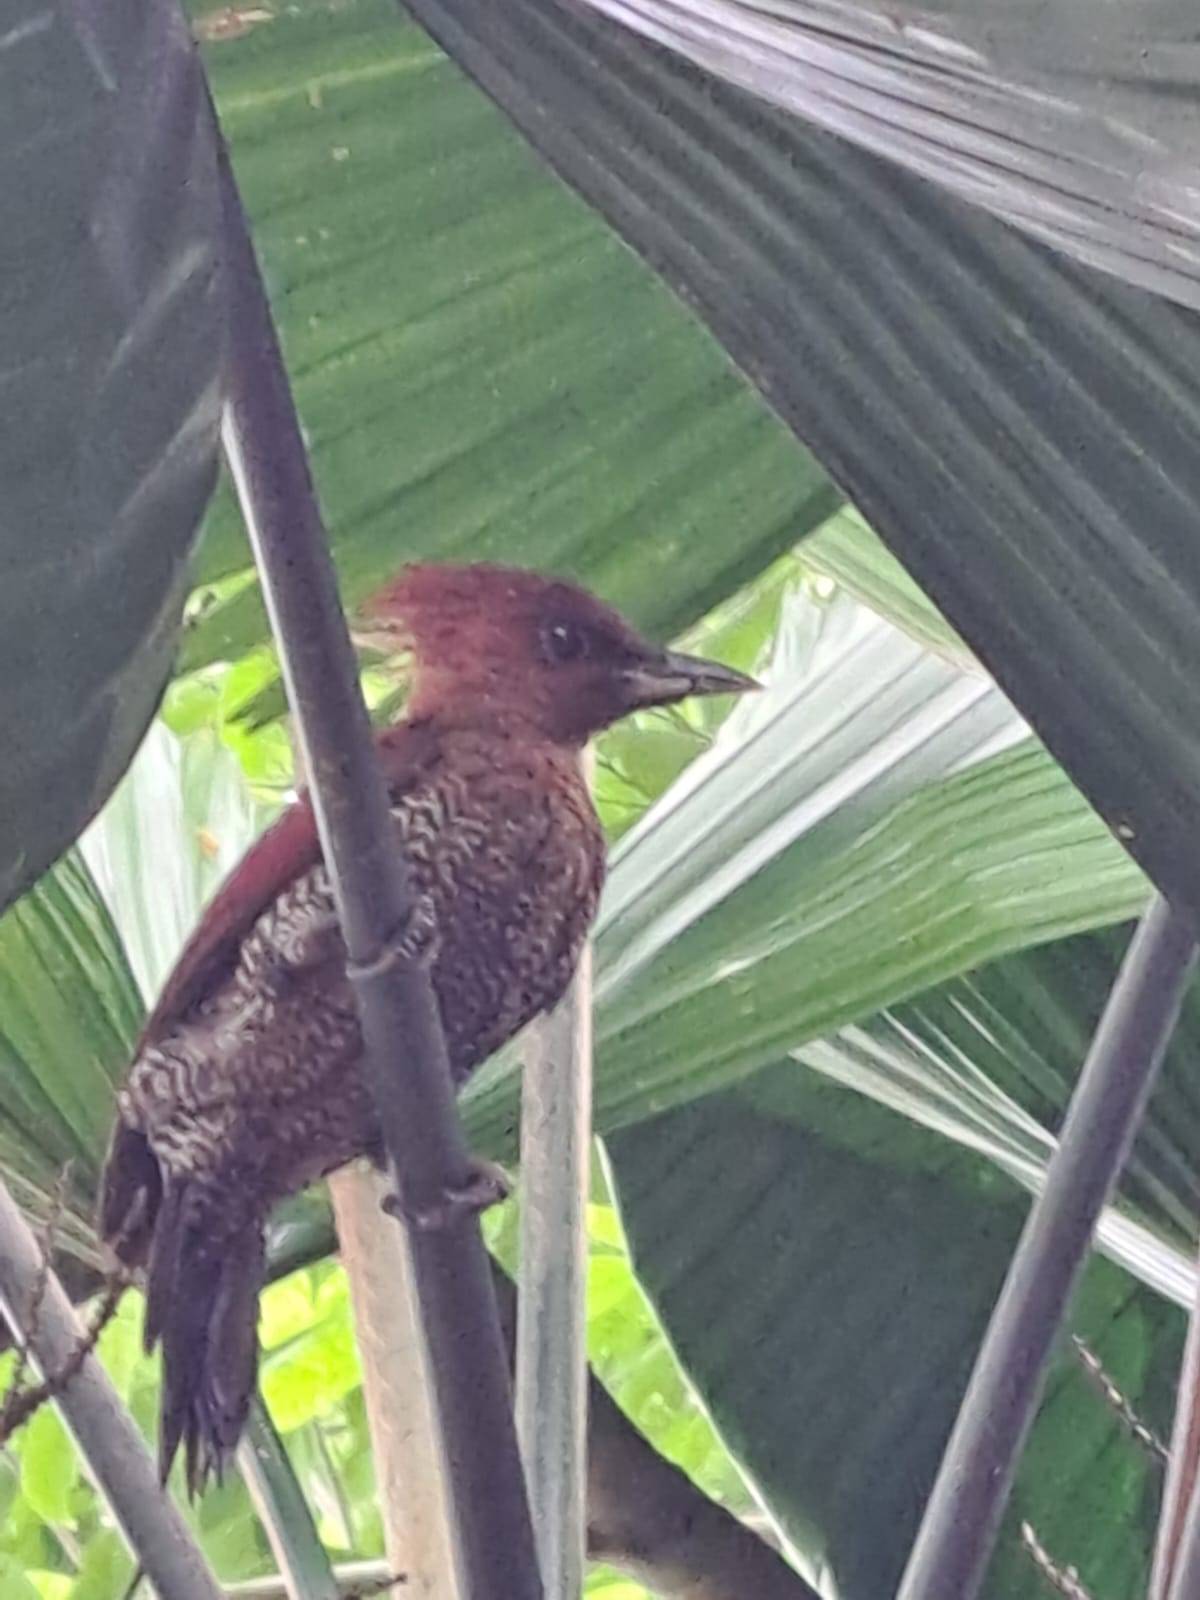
49 1467
19 1585
845 970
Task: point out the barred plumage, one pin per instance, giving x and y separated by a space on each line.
246 1084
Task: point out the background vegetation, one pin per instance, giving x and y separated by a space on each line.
857 932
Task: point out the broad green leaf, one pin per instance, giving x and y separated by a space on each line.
46 1585
121 1346
308 1370
110 326
178 823
69 1003
1018 429
848 554
279 1499
483 371
862 1284
1065 120
231 1533
988 1060
980 1070
106 1570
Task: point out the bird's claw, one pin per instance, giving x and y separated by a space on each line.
415 941
487 1184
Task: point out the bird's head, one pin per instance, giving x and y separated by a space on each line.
500 643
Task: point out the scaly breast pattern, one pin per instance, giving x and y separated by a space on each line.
257 1090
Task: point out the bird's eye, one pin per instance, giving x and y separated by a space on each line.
564 641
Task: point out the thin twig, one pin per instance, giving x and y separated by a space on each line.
1173 1543
1063 1580
1120 1404
357 1580
45 1236
20 1404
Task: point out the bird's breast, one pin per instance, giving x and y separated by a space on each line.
512 858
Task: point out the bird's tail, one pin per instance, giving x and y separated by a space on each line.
203 1276
202 1287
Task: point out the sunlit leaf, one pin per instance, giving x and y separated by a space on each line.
49 1466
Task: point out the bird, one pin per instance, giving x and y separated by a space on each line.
245 1083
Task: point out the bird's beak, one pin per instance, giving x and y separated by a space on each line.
663 679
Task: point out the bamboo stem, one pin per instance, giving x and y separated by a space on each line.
427 1152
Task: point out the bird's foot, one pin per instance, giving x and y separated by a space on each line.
486 1185
416 940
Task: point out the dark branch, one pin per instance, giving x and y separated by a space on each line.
22 1401
426 1147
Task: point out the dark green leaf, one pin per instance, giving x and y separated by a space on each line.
110 324
828 1302
68 1013
1018 429
989 1060
1071 120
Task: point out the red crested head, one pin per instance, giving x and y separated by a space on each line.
512 646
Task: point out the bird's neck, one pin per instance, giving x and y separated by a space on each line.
498 743
490 714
